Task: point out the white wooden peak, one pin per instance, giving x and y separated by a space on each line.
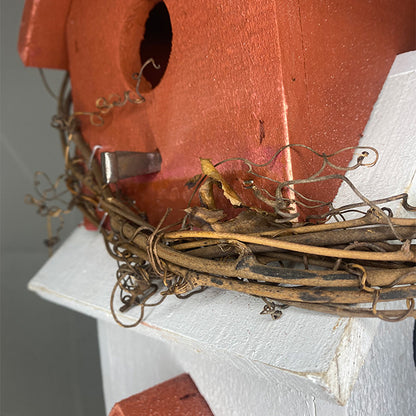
244 363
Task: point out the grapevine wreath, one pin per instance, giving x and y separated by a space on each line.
326 263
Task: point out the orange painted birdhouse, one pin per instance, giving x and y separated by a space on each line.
237 79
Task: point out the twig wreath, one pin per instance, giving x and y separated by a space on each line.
345 263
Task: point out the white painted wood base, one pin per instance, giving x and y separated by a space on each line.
244 363
132 362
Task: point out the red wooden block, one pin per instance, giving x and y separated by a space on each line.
176 397
42 37
242 79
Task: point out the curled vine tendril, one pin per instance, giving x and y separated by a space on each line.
105 105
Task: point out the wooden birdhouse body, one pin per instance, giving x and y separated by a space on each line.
239 79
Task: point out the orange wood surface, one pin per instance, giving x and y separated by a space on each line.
176 397
243 78
42 37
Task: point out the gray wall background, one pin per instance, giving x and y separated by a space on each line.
49 355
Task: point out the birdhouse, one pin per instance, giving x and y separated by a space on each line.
235 79
161 89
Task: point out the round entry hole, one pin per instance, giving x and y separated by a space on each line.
156 43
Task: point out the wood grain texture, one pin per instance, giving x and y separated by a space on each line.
242 80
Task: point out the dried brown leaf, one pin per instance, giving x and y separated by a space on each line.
193 181
206 194
209 170
203 217
247 222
